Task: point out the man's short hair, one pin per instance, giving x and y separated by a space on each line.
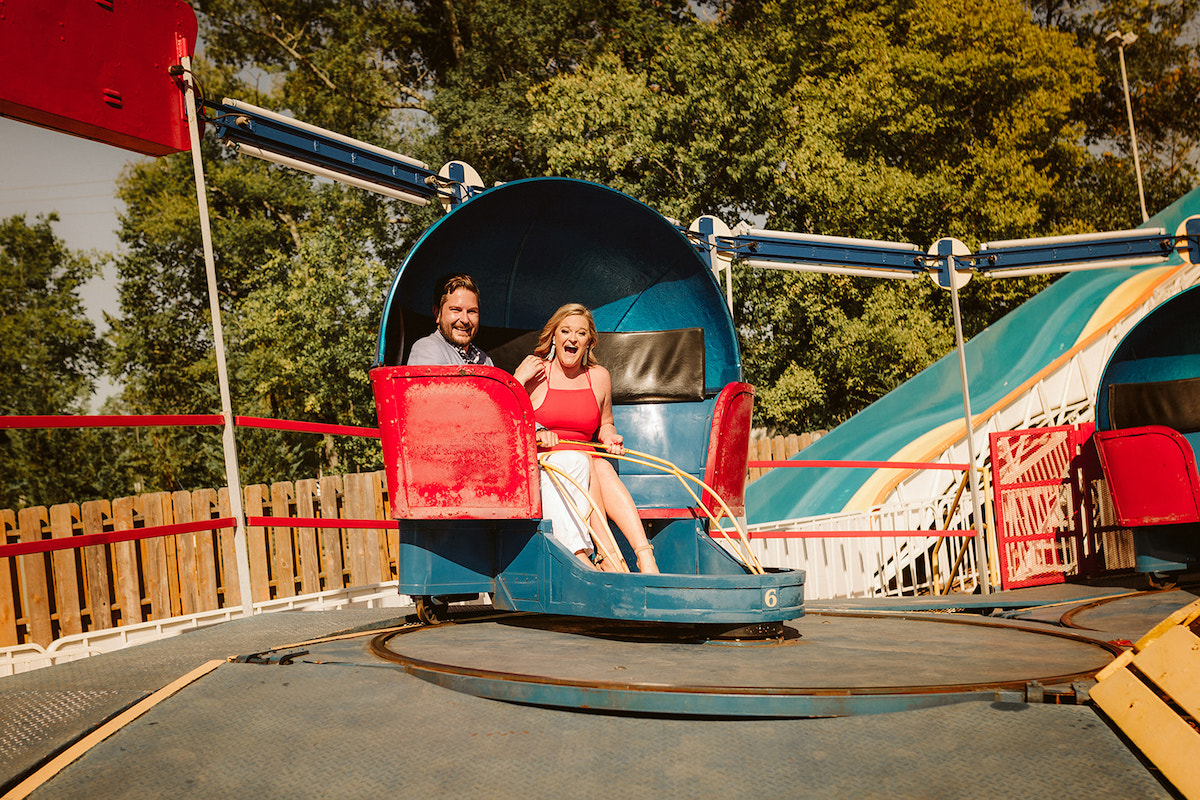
449 284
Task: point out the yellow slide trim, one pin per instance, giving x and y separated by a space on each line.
1120 303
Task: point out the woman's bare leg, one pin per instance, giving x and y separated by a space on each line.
618 504
600 531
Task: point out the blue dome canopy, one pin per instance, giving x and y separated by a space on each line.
534 245
1162 350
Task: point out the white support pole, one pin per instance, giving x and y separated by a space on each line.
241 552
1137 163
981 554
728 278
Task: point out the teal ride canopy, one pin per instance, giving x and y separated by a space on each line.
534 245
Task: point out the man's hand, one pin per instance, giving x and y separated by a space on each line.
532 368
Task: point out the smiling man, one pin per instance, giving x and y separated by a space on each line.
456 312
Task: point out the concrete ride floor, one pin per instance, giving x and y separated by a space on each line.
354 725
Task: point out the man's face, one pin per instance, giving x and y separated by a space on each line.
458 318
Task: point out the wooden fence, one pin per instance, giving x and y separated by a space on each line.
45 596
779 448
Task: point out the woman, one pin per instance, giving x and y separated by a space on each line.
572 400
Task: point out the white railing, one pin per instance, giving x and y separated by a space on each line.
28 657
837 566
861 565
1062 395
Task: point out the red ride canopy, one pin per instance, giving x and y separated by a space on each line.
98 69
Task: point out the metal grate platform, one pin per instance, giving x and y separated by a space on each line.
351 725
311 731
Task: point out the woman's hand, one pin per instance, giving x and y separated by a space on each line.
614 443
546 437
532 368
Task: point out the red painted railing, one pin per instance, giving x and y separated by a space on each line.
29 422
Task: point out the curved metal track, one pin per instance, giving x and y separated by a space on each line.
826 664
1128 613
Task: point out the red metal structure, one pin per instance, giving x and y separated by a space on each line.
443 463
1148 429
729 448
98 69
1151 473
1038 523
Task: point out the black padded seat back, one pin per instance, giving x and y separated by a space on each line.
507 351
654 366
646 366
1175 404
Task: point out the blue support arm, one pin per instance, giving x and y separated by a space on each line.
1001 259
1067 253
283 140
830 254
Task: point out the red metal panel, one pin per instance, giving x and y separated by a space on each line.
1151 473
729 448
1034 502
98 69
457 443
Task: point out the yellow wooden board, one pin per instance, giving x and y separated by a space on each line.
96 565
1183 616
43 595
1172 661
63 519
1161 734
282 544
36 585
306 538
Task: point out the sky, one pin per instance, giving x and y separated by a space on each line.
43 171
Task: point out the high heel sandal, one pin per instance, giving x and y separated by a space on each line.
652 567
604 564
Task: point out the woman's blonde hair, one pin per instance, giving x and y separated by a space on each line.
546 338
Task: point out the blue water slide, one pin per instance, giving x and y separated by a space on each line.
999 359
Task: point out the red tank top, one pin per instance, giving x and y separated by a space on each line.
570 413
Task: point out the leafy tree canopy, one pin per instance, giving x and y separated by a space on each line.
841 118
302 270
49 361
838 117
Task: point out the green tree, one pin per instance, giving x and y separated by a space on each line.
297 258
267 221
843 118
350 67
691 130
486 55
1163 67
907 128
302 266
306 341
49 363
837 117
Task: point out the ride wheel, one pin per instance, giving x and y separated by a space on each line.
431 610
1162 580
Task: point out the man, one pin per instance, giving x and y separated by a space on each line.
456 313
